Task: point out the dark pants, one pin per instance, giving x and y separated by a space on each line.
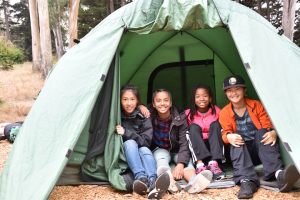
253 153
206 149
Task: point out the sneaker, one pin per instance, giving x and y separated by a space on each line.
200 169
287 177
199 182
140 186
247 189
174 187
218 174
160 187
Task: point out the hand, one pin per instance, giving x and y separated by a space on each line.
120 130
269 138
144 110
235 139
178 171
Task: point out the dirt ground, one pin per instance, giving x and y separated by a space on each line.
20 86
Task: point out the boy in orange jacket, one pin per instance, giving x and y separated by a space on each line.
249 131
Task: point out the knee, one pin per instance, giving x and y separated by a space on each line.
195 128
130 144
215 125
162 154
145 150
260 133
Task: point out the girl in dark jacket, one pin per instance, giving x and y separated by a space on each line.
137 131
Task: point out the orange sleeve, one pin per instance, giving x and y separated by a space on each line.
227 126
263 117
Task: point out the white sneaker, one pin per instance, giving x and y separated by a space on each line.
199 182
174 186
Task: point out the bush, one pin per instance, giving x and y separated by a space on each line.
9 55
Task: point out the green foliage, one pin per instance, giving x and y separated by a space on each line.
20 30
90 14
9 55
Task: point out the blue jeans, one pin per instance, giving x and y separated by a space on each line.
140 160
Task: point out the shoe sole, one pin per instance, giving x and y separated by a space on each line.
291 175
162 184
201 182
176 187
139 187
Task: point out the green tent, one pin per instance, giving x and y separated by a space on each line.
172 44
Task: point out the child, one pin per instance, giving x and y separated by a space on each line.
137 131
249 131
170 144
205 132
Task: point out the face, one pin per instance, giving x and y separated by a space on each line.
128 101
162 102
202 99
235 94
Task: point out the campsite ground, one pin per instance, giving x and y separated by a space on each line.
18 89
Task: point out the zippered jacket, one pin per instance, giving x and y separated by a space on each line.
137 128
203 120
177 134
256 112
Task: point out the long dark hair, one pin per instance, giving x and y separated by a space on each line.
134 90
193 109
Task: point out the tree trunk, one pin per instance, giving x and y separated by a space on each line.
45 37
35 35
288 18
5 5
111 6
73 10
59 47
268 10
56 29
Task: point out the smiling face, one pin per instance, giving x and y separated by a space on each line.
162 103
236 94
202 99
129 101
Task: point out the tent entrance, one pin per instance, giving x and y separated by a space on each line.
180 78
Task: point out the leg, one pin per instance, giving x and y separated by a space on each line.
162 158
215 141
189 171
133 159
148 162
197 145
135 164
244 173
243 167
269 156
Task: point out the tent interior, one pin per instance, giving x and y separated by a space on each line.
177 61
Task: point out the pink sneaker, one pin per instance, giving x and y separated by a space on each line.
200 169
218 174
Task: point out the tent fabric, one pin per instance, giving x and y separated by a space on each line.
273 66
228 33
59 114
